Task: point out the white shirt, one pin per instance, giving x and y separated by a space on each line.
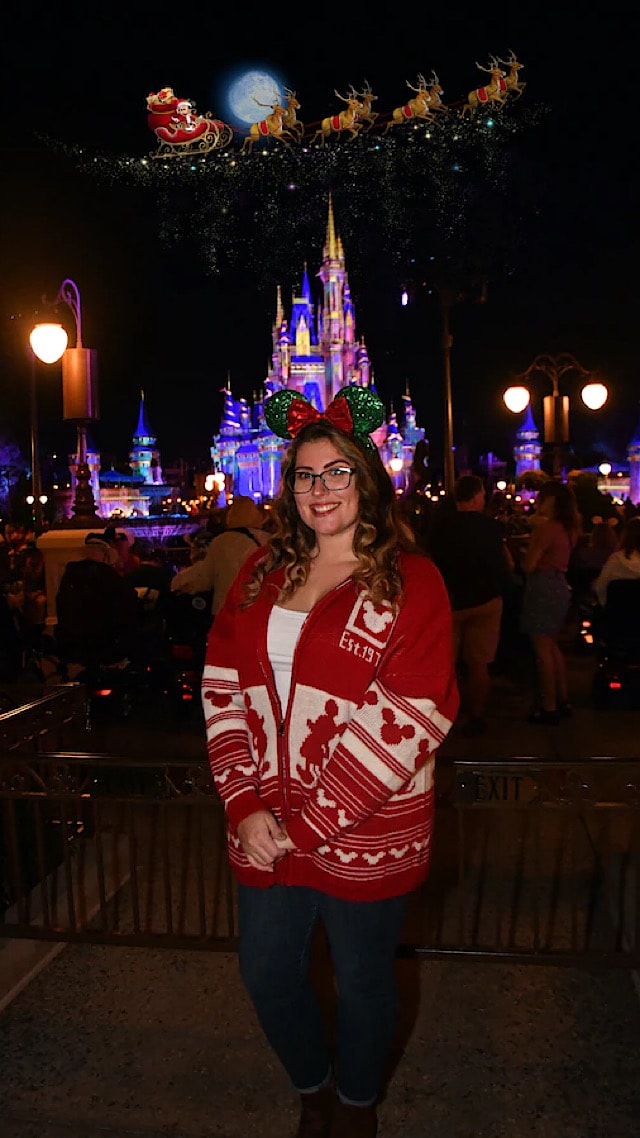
285 627
619 567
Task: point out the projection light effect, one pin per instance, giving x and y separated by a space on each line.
461 184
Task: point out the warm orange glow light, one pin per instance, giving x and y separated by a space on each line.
48 342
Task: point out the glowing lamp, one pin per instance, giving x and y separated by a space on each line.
396 464
501 485
48 342
605 469
516 399
594 396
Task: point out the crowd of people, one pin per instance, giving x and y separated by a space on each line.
514 573
122 600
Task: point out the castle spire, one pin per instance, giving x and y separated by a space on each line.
142 430
332 247
306 287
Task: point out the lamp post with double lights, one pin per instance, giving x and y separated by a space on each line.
79 402
556 406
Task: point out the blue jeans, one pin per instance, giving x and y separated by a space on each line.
276 933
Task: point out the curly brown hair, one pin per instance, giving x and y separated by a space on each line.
380 531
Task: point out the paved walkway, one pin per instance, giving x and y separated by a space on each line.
116 1042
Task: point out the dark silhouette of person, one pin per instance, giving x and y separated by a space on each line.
97 610
470 551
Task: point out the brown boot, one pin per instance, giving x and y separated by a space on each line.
354 1121
316 1113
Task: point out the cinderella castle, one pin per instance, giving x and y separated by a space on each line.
316 352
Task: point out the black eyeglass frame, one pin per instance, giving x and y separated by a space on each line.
292 475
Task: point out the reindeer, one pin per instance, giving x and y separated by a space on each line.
345 120
435 91
417 108
512 83
366 114
292 125
271 127
494 92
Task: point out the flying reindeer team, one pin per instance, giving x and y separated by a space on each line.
425 105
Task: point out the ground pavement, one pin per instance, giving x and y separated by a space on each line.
132 1043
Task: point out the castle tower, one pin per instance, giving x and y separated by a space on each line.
633 454
144 457
528 448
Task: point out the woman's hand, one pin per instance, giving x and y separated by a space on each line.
285 844
261 836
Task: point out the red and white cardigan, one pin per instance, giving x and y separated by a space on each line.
348 765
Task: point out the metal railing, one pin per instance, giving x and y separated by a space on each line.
533 860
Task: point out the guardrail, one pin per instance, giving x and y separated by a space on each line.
33 714
534 861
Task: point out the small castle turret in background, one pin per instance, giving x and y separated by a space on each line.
144 458
633 454
528 448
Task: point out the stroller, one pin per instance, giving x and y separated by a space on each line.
616 628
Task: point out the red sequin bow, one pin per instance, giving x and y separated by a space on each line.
301 413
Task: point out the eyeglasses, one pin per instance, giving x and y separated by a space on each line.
337 478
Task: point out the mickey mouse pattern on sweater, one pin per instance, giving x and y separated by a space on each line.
348 765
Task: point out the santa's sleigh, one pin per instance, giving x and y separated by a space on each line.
201 136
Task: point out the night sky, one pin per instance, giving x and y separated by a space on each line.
177 270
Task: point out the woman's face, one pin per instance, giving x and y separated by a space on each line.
327 512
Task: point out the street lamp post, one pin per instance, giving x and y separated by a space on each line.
79 397
555 406
48 342
451 291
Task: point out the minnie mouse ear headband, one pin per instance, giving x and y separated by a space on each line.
355 410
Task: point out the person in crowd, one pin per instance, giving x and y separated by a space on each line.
13 553
588 558
225 553
34 607
151 579
470 551
623 563
97 610
126 559
328 686
547 595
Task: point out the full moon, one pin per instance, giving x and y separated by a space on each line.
249 89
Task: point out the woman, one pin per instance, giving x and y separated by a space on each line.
547 595
328 686
624 564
